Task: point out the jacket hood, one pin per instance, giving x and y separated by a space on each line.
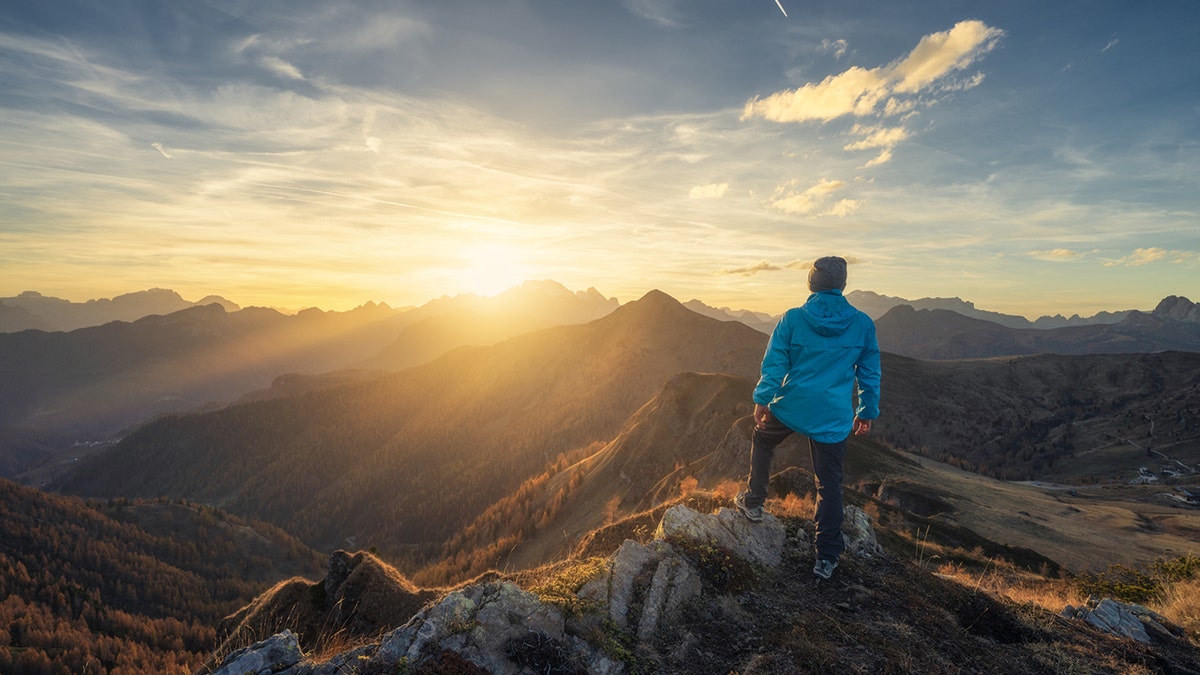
828 313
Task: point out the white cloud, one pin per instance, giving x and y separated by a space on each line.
843 208
859 91
709 191
159 147
939 54
1111 43
1057 255
883 157
838 47
1142 256
280 67
750 270
800 203
877 137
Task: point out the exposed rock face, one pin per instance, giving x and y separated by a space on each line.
499 628
1178 308
757 543
273 655
859 534
1125 620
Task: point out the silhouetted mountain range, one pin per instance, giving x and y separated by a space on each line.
34 310
876 305
472 320
410 458
944 334
62 388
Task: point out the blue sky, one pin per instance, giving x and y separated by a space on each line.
1035 158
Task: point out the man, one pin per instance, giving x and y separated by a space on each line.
813 360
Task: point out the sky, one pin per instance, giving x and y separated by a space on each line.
1034 158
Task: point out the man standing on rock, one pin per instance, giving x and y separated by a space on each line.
816 355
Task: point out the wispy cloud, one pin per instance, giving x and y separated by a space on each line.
664 13
860 91
1111 43
1057 255
788 200
709 191
838 47
1145 256
750 270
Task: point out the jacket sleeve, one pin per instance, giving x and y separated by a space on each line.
775 364
867 373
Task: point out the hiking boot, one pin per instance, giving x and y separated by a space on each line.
754 515
824 568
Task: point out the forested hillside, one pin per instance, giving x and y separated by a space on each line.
98 587
407 460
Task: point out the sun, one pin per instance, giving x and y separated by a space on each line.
491 269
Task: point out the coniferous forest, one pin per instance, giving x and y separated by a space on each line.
123 586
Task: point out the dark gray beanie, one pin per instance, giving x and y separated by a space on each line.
827 274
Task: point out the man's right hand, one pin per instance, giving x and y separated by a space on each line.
761 414
862 427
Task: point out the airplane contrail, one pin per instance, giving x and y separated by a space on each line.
777 2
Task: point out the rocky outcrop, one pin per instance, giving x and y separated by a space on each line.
1126 620
497 627
277 653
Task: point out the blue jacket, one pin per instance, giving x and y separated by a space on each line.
815 355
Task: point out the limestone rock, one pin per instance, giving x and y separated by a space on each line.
485 624
757 543
1127 620
628 563
858 533
273 655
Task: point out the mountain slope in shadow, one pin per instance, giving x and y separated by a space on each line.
410 458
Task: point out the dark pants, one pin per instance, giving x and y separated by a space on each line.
827 466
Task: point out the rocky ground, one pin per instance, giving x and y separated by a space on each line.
712 593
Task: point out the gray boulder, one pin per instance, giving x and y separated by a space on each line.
1126 620
276 654
756 543
859 534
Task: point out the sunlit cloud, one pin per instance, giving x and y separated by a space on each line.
1144 256
282 68
163 151
799 264
800 203
1057 255
1111 43
709 191
859 91
750 270
838 47
843 208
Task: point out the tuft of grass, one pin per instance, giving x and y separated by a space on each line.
717 566
1181 605
561 588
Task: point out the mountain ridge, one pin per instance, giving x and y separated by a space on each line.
589 377
945 334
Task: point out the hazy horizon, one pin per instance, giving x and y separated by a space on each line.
798 299
1035 160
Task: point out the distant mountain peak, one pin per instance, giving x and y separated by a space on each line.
1179 308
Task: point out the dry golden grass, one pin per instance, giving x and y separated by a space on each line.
1181 605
